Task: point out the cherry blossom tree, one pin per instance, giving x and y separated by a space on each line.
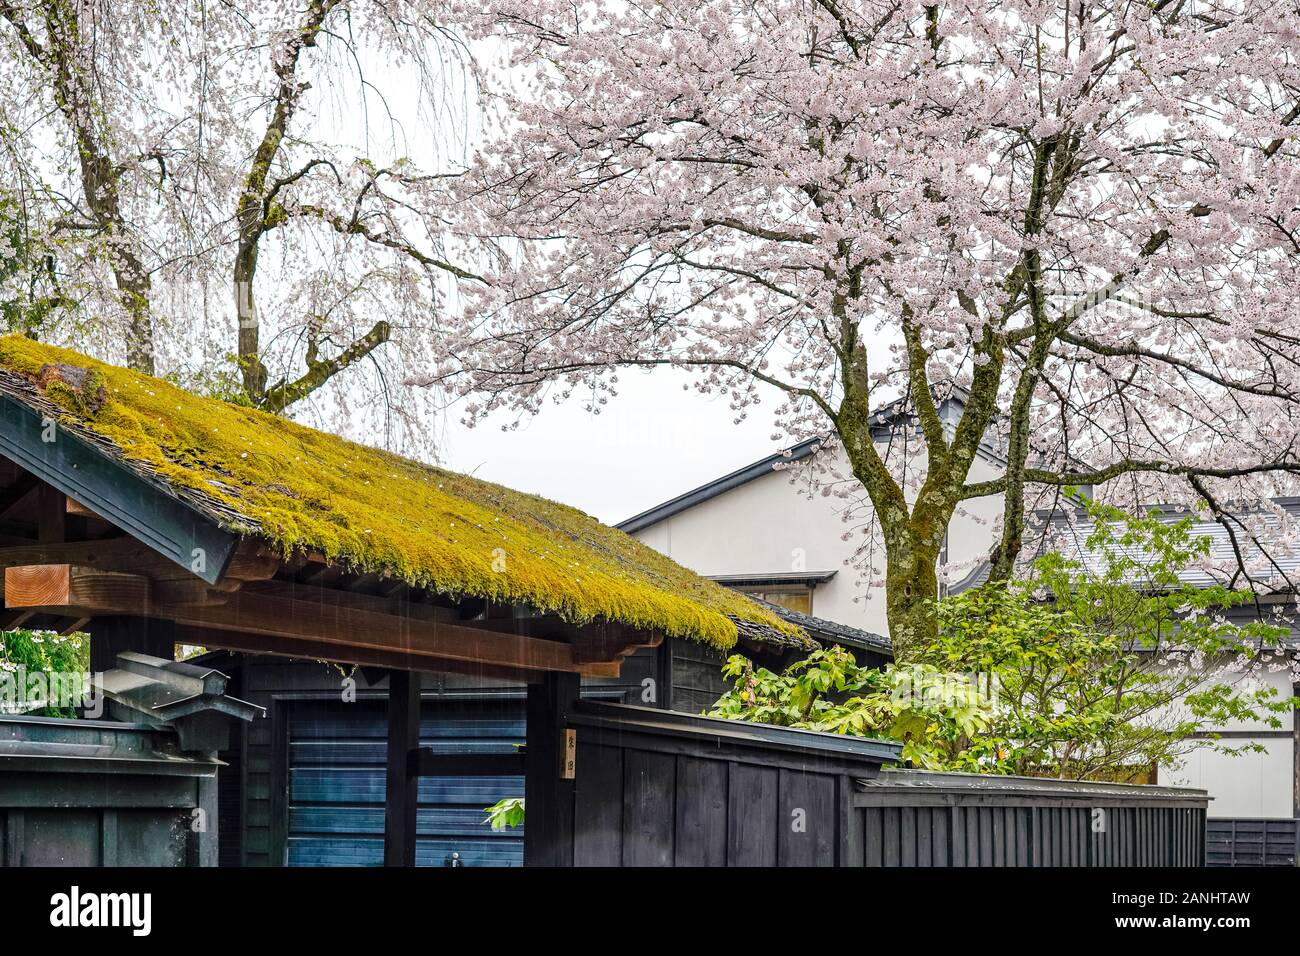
171 174
1082 214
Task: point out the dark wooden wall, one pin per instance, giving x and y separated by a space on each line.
697 680
1255 842
1031 836
100 793
253 804
916 819
671 790
637 807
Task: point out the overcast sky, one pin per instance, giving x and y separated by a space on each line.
652 442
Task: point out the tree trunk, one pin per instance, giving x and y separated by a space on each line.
251 369
911 588
74 95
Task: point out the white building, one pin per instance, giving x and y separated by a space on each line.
763 529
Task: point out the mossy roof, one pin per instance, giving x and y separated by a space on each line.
372 511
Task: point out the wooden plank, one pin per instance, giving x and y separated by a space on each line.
907 836
873 836
15 838
649 787
941 839
401 783
701 825
1022 836
957 836
891 844
849 850
807 819
986 844
751 815
598 816
924 836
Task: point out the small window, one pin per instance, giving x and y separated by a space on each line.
794 598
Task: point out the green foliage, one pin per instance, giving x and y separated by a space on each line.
25 653
29 286
1097 672
917 704
506 813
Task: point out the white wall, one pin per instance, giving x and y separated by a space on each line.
768 524
1249 784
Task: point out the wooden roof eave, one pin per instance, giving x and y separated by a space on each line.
145 510
178 564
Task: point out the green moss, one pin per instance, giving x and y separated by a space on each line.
305 490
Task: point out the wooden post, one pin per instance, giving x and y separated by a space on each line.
664 675
548 794
201 850
402 783
51 515
1295 772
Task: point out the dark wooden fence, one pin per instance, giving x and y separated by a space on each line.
102 793
911 818
1246 842
656 788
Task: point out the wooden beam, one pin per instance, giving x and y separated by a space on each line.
610 642
401 793
53 586
194 592
362 657
12 619
352 600
597 642
349 627
86 591
75 507
128 555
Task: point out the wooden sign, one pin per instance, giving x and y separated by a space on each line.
569 768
